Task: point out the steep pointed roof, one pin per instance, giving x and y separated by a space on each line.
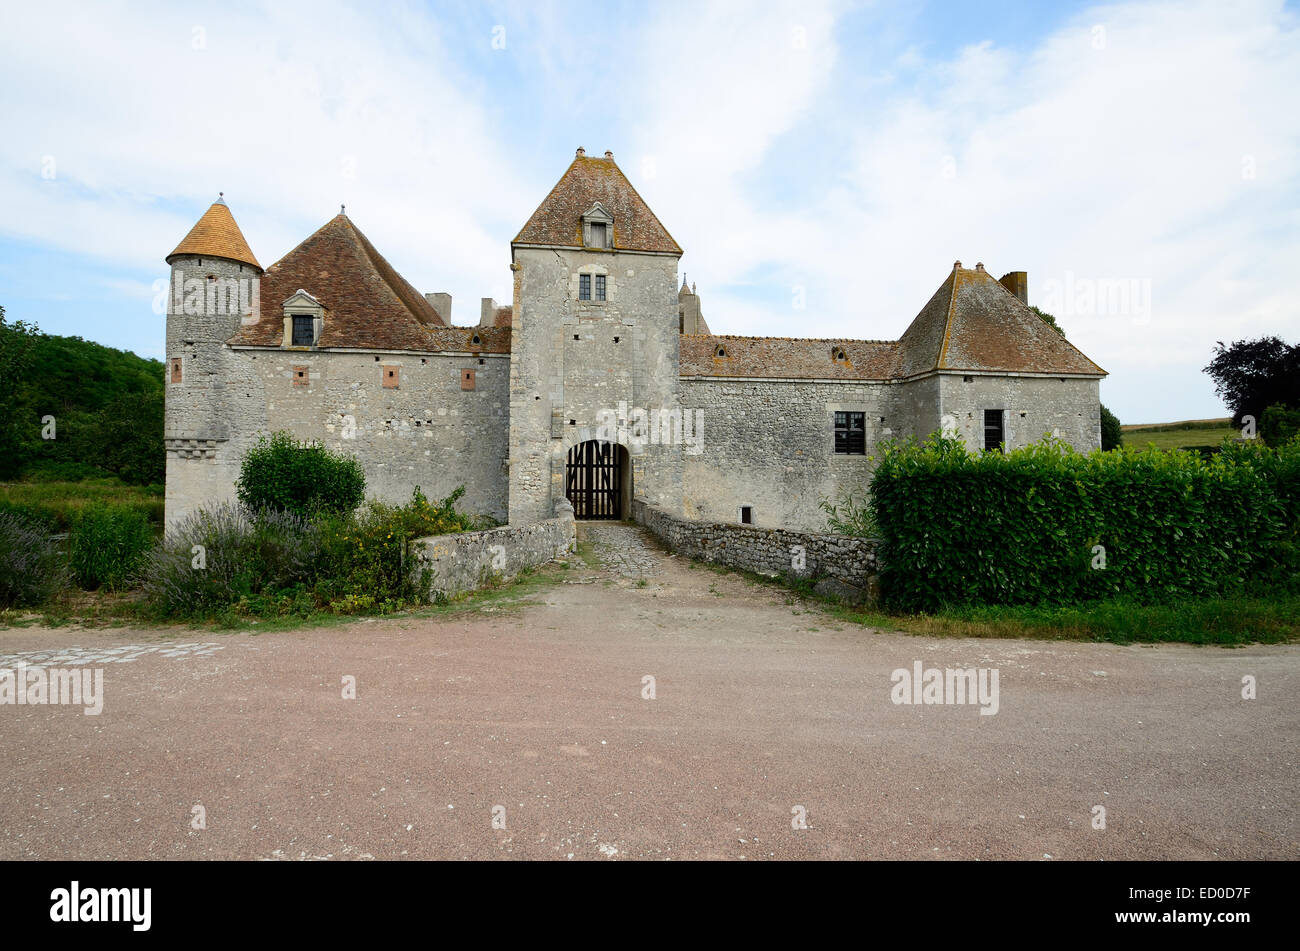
367 303
974 323
557 222
216 235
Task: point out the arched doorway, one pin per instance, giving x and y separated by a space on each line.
595 480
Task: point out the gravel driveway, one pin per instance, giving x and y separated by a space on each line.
768 730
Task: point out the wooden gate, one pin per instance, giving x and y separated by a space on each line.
593 480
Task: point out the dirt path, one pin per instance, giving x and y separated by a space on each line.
764 711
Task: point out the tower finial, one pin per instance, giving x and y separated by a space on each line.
343 209
221 198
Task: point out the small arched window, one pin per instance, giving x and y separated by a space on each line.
722 351
839 356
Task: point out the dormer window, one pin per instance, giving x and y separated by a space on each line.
597 227
839 356
304 317
304 334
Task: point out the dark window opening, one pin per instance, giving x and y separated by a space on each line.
584 287
746 515
616 340
304 334
600 287
993 435
851 434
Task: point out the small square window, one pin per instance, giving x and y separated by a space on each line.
390 378
851 434
584 287
600 287
300 377
176 369
304 333
746 515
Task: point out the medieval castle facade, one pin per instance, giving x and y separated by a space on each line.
600 382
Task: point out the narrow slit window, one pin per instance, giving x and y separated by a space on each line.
850 434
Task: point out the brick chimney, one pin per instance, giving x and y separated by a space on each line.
1017 282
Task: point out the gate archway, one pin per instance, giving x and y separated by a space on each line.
594 479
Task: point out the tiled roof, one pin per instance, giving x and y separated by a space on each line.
971 323
367 304
461 339
557 222
974 323
787 358
216 235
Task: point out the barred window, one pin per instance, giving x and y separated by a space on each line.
584 287
600 287
851 434
303 332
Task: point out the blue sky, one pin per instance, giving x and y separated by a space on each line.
1138 160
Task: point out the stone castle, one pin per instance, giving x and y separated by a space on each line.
599 382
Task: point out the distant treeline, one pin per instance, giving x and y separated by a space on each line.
72 409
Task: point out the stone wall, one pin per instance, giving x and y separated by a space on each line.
573 362
1031 408
841 566
468 560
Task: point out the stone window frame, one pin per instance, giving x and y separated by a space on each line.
983 427
598 214
301 375
871 430
177 370
740 515
302 304
390 376
592 271
468 378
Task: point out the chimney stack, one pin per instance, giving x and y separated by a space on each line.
1017 282
442 304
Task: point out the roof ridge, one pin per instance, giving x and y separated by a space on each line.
947 321
807 339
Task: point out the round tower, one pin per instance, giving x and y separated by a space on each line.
215 284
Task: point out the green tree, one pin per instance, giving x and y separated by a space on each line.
1279 424
1252 375
305 478
17 348
1112 435
1050 320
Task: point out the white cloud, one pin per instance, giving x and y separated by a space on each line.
775 145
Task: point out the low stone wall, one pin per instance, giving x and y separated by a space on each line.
842 566
469 560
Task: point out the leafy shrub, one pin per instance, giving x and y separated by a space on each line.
106 545
367 555
1112 432
1023 527
273 564
305 478
32 569
1279 424
214 558
850 514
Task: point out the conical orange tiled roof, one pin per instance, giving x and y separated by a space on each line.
216 235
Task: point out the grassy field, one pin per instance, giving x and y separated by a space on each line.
1192 432
57 502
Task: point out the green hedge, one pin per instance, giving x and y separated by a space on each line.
961 528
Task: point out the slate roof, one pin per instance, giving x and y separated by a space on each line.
367 303
557 222
216 235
